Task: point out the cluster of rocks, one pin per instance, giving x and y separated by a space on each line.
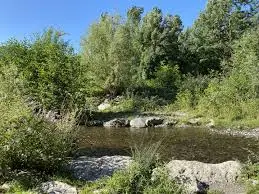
197 177
154 121
139 122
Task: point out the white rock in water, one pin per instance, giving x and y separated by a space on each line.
138 123
142 122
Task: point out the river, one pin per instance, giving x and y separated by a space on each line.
183 144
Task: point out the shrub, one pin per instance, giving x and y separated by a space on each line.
235 96
138 178
27 141
48 67
166 81
250 174
190 91
133 103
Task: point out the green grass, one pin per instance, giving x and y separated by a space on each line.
139 177
250 174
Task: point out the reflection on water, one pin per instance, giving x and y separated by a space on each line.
183 144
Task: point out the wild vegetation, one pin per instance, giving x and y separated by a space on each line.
210 69
139 177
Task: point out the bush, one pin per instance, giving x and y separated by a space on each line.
235 96
138 178
250 174
133 103
166 81
48 67
190 91
27 141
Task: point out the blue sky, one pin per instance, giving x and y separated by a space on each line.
20 18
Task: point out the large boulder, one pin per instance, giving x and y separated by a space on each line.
198 176
121 122
91 169
142 122
138 123
153 121
56 187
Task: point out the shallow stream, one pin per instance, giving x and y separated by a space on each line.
183 144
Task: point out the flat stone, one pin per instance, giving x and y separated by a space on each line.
194 122
142 122
56 187
194 174
171 122
95 123
91 169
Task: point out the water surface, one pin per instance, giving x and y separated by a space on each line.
183 144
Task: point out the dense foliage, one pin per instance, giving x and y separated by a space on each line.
28 141
123 55
139 178
210 68
47 66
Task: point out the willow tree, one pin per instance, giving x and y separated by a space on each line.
95 52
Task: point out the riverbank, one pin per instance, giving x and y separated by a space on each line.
118 113
83 175
116 174
123 107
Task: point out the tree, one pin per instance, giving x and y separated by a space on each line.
95 53
172 28
151 32
210 38
159 39
122 54
236 95
48 67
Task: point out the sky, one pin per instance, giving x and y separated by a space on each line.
22 18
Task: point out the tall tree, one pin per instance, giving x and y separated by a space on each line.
151 32
95 52
172 28
159 41
209 40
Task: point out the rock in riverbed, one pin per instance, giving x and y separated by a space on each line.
153 121
194 122
120 122
138 123
197 175
91 169
142 122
